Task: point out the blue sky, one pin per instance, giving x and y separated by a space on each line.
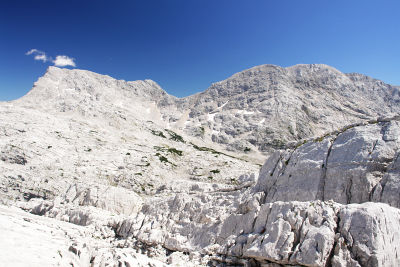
187 45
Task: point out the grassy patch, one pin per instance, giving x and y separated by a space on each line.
213 151
174 136
159 148
175 151
170 150
158 133
164 159
203 148
300 144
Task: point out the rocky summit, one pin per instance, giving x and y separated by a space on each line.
271 167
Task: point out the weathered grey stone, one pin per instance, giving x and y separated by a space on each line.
369 236
357 165
130 176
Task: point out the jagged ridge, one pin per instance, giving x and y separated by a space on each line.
261 108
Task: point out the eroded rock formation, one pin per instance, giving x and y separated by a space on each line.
122 174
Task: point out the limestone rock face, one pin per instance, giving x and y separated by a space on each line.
268 106
354 165
259 109
367 237
39 241
92 94
236 228
101 172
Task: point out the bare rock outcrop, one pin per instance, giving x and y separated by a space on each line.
259 109
267 107
122 174
236 228
355 165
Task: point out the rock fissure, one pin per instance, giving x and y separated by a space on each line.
374 146
336 240
348 190
321 187
297 234
278 174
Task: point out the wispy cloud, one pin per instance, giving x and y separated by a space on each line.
60 61
31 51
41 57
38 55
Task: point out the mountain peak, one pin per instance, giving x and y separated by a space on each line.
284 104
62 89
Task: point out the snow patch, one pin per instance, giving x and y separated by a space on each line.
223 105
210 117
245 112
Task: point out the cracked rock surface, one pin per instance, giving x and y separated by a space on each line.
356 165
100 172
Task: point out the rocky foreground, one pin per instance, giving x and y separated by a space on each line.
98 184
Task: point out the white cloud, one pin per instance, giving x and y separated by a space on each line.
60 61
32 51
41 57
63 61
38 55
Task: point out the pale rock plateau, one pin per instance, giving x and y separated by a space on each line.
102 172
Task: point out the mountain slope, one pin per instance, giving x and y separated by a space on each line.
268 106
92 94
143 172
259 109
281 220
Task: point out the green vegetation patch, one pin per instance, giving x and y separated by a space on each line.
158 133
175 151
170 150
213 151
300 144
174 136
203 148
164 159
159 148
